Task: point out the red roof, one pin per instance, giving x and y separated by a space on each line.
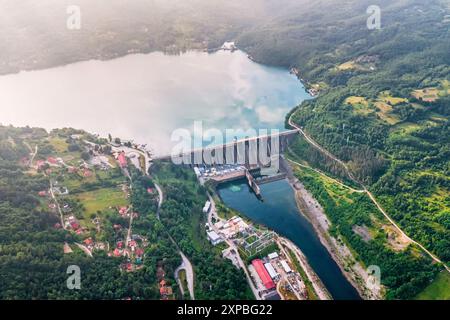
263 274
132 243
51 160
139 251
122 159
116 252
74 225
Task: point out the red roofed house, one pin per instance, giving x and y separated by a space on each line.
52 160
116 252
87 173
72 170
263 274
123 211
139 252
132 243
75 225
40 163
150 190
122 159
42 193
88 241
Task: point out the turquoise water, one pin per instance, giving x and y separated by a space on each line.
146 97
279 212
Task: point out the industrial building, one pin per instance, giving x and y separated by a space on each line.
285 266
272 273
263 274
214 238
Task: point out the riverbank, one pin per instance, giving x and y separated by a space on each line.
318 289
354 271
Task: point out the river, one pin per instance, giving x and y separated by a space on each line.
280 213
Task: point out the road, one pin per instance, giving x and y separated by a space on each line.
57 204
185 264
371 196
213 212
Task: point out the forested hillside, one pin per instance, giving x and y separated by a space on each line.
384 102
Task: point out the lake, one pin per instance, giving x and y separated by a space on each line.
145 97
279 212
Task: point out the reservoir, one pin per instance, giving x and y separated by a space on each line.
145 97
279 212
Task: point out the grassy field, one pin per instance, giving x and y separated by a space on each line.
59 144
102 199
439 289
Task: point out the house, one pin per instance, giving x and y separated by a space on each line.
42 193
52 160
123 211
40 164
150 190
122 159
132 244
116 252
88 241
87 173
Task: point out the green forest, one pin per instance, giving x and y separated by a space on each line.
383 108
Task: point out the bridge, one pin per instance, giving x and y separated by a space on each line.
251 151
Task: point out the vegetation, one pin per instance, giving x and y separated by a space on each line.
32 262
405 271
438 289
181 214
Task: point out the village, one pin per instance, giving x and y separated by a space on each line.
101 217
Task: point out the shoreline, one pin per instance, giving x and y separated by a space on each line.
354 272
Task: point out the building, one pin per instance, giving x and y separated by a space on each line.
263 274
285 266
272 273
207 207
122 159
273 255
214 238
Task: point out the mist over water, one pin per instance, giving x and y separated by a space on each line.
145 97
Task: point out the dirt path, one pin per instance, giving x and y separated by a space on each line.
372 198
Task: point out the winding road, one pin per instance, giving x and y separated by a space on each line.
371 196
185 264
